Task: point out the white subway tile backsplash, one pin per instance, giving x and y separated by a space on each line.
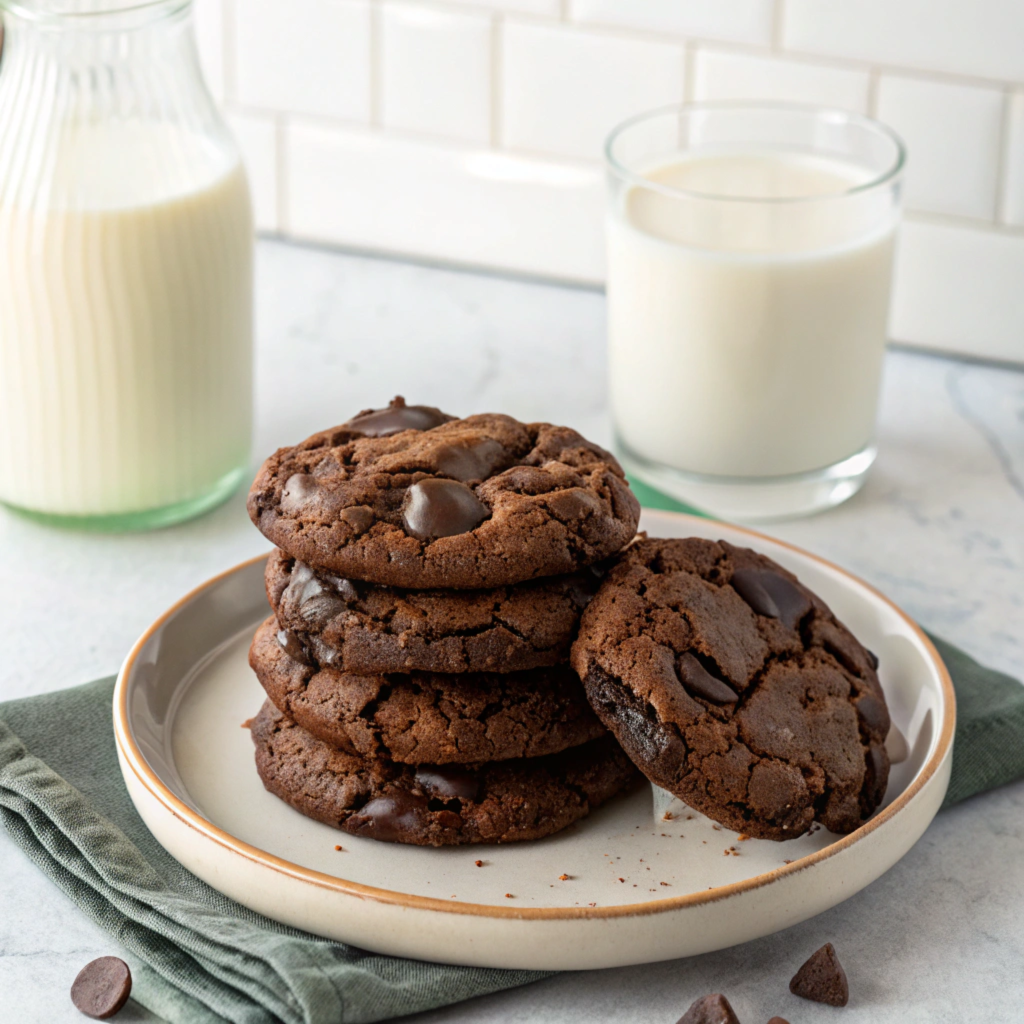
467 205
256 136
720 75
563 89
952 136
1013 197
970 37
208 19
959 289
436 71
745 21
491 116
307 57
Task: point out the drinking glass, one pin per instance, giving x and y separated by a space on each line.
750 255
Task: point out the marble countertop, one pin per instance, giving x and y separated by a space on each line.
939 527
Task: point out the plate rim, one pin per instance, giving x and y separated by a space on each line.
133 759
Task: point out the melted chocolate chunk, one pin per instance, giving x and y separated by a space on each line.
772 595
359 517
391 818
293 646
397 417
873 658
713 1009
476 462
299 490
441 508
700 682
102 987
317 603
873 713
449 782
822 979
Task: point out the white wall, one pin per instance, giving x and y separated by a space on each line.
470 130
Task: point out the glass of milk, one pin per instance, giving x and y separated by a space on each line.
126 244
750 254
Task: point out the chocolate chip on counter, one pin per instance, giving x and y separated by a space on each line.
778 1020
700 682
441 508
397 417
822 979
102 987
712 1009
771 595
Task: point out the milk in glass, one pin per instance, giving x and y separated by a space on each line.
746 331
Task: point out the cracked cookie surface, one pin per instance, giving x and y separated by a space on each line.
424 717
733 686
500 802
359 627
479 502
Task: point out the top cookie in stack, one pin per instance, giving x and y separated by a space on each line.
462 504
429 581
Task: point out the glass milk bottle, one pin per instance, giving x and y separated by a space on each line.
750 256
126 245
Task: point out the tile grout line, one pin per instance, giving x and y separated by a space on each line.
1001 212
376 65
281 167
228 50
497 80
874 83
778 19
690 73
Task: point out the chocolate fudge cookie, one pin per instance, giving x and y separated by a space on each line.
501 802
480 502
363 628
425 717
733 686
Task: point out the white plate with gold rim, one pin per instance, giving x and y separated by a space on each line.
640 888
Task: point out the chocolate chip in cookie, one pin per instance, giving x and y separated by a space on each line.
397 417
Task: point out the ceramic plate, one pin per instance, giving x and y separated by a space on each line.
647 879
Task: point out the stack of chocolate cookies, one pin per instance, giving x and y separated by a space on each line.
427 586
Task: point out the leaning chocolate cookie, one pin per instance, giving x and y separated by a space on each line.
425 717
501 802
480 502
733 686
364 628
